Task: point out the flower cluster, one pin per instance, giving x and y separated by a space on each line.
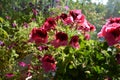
74 20
111 31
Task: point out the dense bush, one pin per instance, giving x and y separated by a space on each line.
58 41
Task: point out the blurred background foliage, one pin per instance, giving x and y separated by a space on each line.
96 13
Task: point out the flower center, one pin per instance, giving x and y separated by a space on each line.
42 34
61 36
116 32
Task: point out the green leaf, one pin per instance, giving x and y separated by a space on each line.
97 69
71 67
3 34
14 54
119 12
1 19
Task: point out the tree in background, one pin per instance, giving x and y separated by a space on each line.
113 7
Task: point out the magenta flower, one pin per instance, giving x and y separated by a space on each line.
43 48
38 35
8 17
49 24
48 63
9 75
74 42
35 12
66 7
108 78
22 64
2 43
57 0
61 39
87 36
33 19
12 45
25 25
111 32
14 24
39 58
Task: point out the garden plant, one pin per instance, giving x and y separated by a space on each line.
58 43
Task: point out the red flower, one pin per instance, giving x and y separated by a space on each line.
83 26
61 39
75 13
80 19
92 27
87 36
111 32
63 16
48 63
74 42
49 24
113 20
39 35
66 19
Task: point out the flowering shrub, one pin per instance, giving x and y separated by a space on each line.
60 48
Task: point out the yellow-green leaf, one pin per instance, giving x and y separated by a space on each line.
3 34
1 19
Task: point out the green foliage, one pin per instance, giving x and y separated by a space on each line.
90 62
